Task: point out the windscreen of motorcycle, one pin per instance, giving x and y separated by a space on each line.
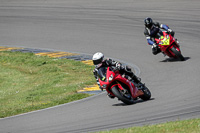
159 35
102 73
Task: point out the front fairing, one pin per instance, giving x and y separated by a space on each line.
165 42
109 78
163 39
102 72
105 76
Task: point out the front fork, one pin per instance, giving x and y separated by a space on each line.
177 43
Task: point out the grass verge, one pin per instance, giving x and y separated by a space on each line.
185 126
29 82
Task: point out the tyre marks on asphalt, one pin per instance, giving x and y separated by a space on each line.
86 59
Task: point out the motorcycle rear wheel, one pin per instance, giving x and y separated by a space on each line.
121 96
177 54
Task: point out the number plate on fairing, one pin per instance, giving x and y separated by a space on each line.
165 41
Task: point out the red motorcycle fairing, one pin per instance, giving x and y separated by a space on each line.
115 79
166 42
171 53
134 90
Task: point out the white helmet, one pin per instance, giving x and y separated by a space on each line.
97 58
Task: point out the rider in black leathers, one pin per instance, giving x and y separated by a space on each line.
99 61
151 30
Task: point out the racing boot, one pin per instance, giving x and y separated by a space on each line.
110 96
140 86
135 79
138 82
155 49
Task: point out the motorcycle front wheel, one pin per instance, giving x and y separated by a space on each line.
177 54
121 96
147 94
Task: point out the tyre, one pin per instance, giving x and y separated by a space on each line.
177 54
121 96
147 94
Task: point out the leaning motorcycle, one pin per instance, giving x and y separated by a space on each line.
168 46
119 86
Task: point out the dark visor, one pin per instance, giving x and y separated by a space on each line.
96 62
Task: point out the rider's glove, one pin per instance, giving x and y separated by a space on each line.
118 65
154 45
170 31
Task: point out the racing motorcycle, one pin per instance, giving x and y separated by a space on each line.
168 46
118 86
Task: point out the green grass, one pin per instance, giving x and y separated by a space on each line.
185 126
29 82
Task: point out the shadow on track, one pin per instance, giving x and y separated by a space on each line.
136 102
175 60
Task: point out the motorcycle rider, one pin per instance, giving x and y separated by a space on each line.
151 30
99 61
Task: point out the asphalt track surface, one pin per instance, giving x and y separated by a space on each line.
114 27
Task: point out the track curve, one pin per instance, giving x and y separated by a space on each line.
114 27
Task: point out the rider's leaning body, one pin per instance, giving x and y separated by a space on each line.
151 30
99 61
151 33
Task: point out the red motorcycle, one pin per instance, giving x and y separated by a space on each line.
168 46
118 86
